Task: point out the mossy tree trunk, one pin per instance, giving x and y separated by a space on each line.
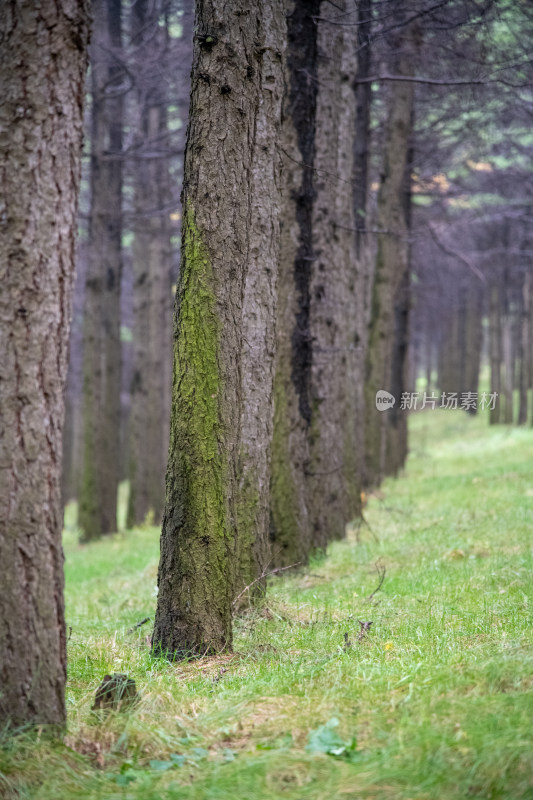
199 543
392 252
42 70
101 335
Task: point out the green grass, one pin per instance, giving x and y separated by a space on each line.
438 696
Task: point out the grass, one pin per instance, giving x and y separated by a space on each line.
435 702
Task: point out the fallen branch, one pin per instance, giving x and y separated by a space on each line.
381 569
264 574
138 625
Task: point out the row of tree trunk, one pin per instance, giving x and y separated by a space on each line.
274 335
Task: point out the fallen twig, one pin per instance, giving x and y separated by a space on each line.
139 624
264 574
381 570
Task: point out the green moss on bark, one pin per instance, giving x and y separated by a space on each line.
196 420
194 609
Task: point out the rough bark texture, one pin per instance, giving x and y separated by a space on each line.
259 308
101 339
363 97
42 65
152 271
289 529
315 489
198 541
391 259
331 473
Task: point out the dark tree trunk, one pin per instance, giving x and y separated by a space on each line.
397 419
315 481
363 96
291 540
392 256
336 366
42 67
101 340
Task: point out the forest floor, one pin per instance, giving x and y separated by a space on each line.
434 701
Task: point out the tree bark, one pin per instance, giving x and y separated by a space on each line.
152 271
259 309
42 66
199 546
336 367
101 339
391 257
289 515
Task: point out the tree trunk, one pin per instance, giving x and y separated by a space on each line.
336 369
101 340
199 546
508 367
363 96
259 310
473 340
42 73
290 533
495 344
396 452
391 257
523 349
152 270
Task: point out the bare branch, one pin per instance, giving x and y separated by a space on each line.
381 569
454 253
264 574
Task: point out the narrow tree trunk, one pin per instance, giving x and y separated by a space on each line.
290 533
523 349
396 448
259 309
336 368
495 339
363 95
473 340
199 546
391 259
101 341
508 367
42 66
428 358
364 241
152 267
